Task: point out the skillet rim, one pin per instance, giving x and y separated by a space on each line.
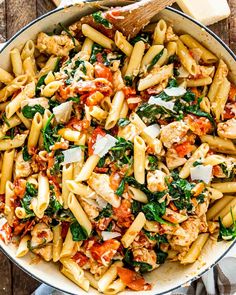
217 38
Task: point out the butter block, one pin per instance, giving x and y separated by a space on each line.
206 11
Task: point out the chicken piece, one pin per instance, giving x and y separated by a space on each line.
173 160
173 133
100 183
227 129
22 168
128 132
170 35
41 234
45 252
146 256
59 45
89 208
192 229
156 181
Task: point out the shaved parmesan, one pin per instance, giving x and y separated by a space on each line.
201 172
153 130
107 235
63 112
166 104
101 202
103 144
72 155
175 91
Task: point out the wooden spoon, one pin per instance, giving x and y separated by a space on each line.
136 16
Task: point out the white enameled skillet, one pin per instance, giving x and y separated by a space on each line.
170 275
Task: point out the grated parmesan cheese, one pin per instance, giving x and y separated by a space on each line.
202 172
103 144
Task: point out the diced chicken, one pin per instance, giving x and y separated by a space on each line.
173 133
89 209
41 234
59 45
173 160
156 181
146 256
227 129
45 252
191 228
22 168
100 183
170 35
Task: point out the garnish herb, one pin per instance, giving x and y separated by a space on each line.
145 37
121 187
68 33
152 162
154 211
5 120
106 212
128 80
50 134
30 111
56 169
30 192
40 83
97 16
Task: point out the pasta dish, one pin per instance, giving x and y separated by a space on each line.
117 154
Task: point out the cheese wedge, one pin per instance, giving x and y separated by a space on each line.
206 11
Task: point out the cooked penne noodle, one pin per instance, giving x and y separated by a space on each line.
123 44
109 276
218 144
23 249
68 245
139 159
7 168
133 230
16 62
225 187
9 202
5 77
160 32
218 206
226 209
43 193
88 168
35 129
137 195
57 242
67 174
116 287
115 110
135 60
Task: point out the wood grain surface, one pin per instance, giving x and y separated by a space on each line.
14 14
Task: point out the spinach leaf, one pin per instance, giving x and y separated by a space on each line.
173 59
180 191
172 83
129 259
154 211
161 239
128 80
106 212
148 112
196 163
189 96
53 103
101 162
155 60
97 16
123 122
229 233
29 111
40 83
56 169
121 187
136 207
50 135
25 154
152 162
121 151
53 207
161 256
30 192
78 232
74 99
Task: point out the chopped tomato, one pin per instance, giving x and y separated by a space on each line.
195 91
132 279
64 229
184 148
172 206
5 233
101 170
80 258
94 98
60 146
64 92
104 252
217 171
232 93
198 125
129 91
99 84
115 180
102 71
123 214
229 111
97 131
20 185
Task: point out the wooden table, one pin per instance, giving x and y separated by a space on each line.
14 14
